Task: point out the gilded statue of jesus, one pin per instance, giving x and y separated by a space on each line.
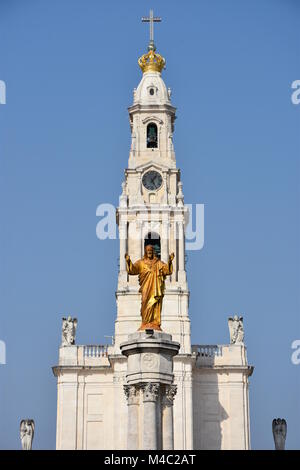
152 273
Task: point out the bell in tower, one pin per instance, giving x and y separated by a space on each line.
152 136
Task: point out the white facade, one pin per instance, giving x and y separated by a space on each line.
92 408
211 408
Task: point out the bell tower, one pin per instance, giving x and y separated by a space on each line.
150 393
151 208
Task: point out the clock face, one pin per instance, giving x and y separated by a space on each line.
152 180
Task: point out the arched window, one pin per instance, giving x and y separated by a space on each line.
153 239
152 136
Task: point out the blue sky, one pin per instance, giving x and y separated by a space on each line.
70 67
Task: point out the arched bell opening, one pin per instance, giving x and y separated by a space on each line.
152 136
152 238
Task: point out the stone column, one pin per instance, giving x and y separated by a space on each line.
181 254
165 198
150 367
123 244
167 417
150 395
140 239
164 241
140 199
181 246
132 393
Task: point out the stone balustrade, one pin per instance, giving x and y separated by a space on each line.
205 355
207 350
95 350
223 355
85 355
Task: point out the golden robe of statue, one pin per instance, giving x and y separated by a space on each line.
152 273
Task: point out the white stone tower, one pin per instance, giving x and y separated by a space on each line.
152 209
151 205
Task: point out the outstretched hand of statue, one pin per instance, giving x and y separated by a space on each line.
171 257
127 257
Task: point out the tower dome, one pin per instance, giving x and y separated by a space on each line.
152 90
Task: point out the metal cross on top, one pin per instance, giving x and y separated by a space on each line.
151 19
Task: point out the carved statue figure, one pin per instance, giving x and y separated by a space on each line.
170 142
152 273
26 433
236 329
279 428
69 326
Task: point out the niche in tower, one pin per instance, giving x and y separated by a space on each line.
152 238
152 136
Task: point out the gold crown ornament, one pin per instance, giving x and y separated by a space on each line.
151 62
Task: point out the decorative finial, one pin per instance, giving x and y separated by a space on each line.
151 62
180 195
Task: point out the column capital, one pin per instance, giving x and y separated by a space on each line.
150 391
132 394
169 395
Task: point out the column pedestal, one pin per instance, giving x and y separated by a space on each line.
150 369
